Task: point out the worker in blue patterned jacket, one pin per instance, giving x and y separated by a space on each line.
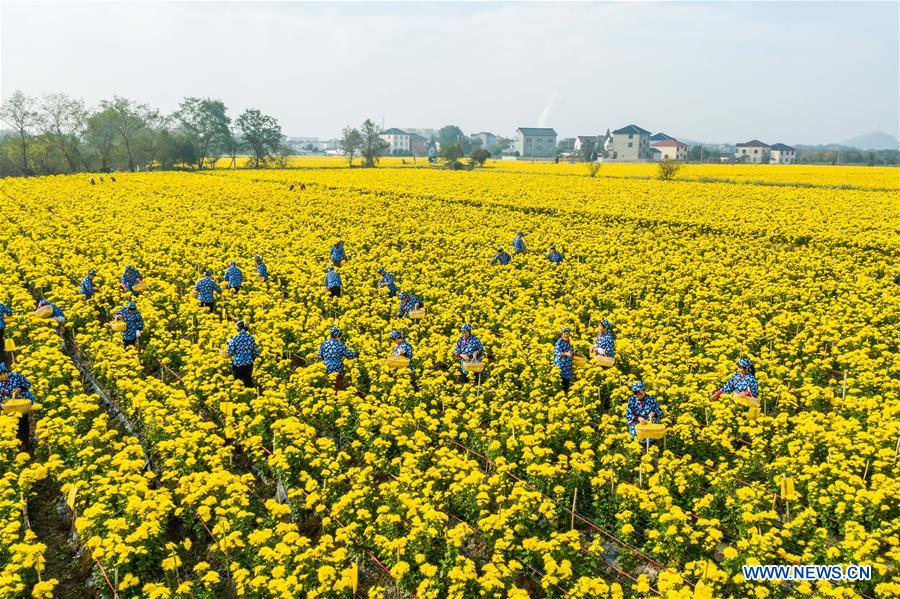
468 348
332 352
130 278
519 243
233 276
742 382
134 323
403 348
409 302
641 409
338 255
4 312
605 344
261 270
15 386
56 315
563 352
333 282
387 280
87 288
243 351
206 289
502 257
554 256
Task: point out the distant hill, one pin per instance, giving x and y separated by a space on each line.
876 140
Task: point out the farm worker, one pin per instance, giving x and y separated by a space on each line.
404 349
468 349
15 386
337 253
205 289
332 353
502 257
261 269
641 409
243 351
387 280
605 344
56 315
333 282
134 323
519 243
130 278
4 312
743 381
408 302
233 276
87 284
562 357
554 256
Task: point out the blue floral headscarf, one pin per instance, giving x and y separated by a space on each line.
637 386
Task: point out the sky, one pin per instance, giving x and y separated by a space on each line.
792 72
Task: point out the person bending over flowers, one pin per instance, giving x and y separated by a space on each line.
134 323
605 344
642 409
403 348
468 349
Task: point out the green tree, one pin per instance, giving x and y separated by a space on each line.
100 136
452 151
63 120
260 133
351 143
207 126
131 121
373 147
18 111
479 156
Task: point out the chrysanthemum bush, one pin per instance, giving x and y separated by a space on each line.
460 490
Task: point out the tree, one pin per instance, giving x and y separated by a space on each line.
207 125
63 119
593 169
452 151
450 133
129 120
351 142
18 111
260 133
667 169
101 136
231 146
479 156
373 147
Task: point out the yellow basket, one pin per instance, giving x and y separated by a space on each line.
139 286
18 405
746 400
261 279
118 326
43 312
397 362
473 366
579 361
224 352
9 345
417 313
194 293
650 431
604 361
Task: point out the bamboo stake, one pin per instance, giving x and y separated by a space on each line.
574 499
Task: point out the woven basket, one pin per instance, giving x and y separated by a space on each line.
17 405
417 313
604 361
43 312
579 361
9 345
397 362
473 366
650 431
746 400
223 352
194 293
118 326
139 286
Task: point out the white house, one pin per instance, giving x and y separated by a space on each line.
753 151
671 149
782 154
631 143
536 142
487 139
397 139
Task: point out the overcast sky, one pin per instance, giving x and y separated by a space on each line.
791 72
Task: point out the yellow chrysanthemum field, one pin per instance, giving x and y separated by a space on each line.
184 483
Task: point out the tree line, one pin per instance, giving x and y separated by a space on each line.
58 134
